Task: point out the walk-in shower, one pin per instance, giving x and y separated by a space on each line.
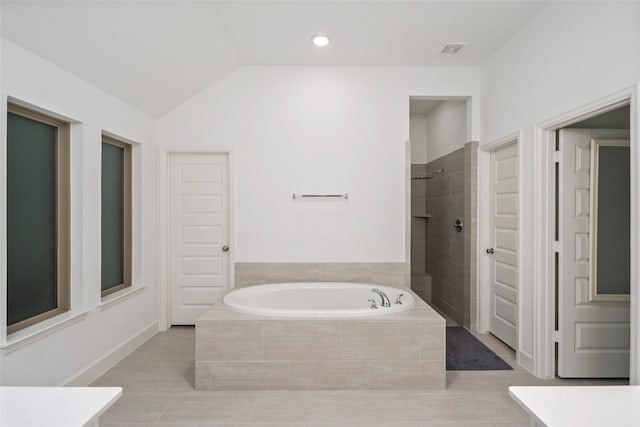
429 175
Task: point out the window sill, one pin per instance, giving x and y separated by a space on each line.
124 294
26 336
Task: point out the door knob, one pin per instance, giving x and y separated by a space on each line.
225 248
490 251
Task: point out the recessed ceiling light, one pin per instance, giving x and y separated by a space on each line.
452 48
321 40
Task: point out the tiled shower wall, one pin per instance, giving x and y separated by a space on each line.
449 256
420 280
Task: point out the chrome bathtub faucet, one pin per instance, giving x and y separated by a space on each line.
373 303
383 297
399 299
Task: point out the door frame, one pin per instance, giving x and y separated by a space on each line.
485 240
544 225
163 189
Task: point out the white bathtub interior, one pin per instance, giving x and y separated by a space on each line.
322 299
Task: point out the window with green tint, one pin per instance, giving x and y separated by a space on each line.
116 215
611 255
37 217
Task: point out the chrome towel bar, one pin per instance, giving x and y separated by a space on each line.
315 196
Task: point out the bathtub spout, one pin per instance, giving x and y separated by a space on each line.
383 297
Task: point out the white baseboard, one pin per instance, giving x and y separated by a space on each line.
108 361
525 360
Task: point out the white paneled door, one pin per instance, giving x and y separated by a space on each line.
199 232
593 336
504 253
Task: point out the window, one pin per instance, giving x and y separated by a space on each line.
38 259
116 215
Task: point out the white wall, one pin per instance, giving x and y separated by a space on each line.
61 355
446 128
315 130
570 54
418 137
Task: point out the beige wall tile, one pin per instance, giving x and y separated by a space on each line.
457 252
432 341
293 272
448 271
435 187
457 183
250 273
380 340
202 376
301 340
328 375
450 211
266 360
418 245
418 198
229 340
386 273
408 375
454 161
447 199
265 375
389 274
346 272
455 297
418 168
421 283
424 296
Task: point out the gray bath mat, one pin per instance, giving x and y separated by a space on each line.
466 353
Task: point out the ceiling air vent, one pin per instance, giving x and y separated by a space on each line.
452 48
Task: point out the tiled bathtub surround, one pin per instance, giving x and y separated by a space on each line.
450 256
236 351
380 273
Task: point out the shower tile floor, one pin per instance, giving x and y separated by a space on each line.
157 380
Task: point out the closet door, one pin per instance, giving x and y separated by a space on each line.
593 335
199 232
504 253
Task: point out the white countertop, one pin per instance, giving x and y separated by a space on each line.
601 406
54 406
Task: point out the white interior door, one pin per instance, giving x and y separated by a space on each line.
593 336
198 235
504 253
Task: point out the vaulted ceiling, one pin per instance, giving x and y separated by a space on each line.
155 55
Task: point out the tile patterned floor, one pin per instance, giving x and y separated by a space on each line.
158 391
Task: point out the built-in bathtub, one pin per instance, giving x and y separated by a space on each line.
318 300
320 336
